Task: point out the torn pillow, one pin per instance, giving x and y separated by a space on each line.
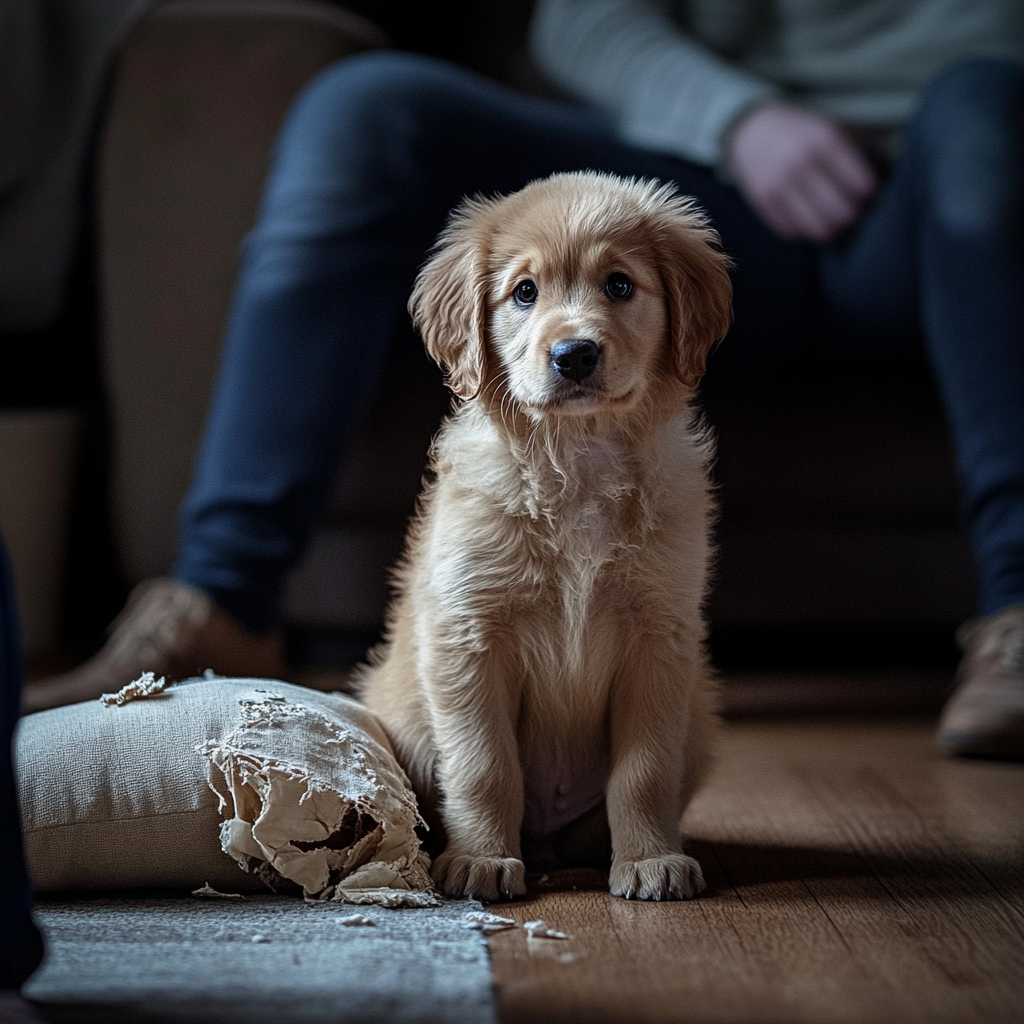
297 787
314 797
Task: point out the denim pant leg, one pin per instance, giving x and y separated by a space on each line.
373 155
942 255
21 946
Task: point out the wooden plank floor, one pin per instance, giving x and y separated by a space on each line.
855 876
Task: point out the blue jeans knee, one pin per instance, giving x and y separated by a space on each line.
968 141
371 149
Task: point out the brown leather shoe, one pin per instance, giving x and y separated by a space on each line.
985 715
172 630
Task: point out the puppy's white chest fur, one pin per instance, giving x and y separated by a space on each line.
583 522
559 517
563 548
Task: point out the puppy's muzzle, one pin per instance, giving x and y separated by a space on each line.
575 359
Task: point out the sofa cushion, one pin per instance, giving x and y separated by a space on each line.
231 782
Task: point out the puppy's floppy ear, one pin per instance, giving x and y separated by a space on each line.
449 300
695 274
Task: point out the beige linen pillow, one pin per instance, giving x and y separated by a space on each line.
297 788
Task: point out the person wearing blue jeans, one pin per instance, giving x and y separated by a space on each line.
380 147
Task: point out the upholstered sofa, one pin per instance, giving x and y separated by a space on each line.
837 491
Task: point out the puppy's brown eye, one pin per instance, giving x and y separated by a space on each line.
525 293
618 287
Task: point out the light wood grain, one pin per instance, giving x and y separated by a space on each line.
855 876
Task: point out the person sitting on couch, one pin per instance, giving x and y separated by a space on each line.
862 161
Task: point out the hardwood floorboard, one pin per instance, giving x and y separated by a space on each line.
855 876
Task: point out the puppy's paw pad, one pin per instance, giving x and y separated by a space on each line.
484 878
673 876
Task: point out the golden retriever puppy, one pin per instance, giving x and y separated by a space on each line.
545 648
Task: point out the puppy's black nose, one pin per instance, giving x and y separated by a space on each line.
576 358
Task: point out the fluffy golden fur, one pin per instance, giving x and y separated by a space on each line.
548 605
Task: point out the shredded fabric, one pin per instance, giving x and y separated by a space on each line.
481 921
391 898
314 802
207 891
357 921
540 930
147 685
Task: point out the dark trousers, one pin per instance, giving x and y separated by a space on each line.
21 947
380 147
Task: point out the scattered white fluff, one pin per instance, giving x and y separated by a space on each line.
207 891
481 921
540 930
357 921
386 897
147 685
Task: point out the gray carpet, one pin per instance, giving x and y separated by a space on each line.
264 960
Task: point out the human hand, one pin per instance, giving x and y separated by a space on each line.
799 171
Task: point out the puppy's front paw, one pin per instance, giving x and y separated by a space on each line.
485 878
673 876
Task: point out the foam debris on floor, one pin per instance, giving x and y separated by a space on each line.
207 891
540 930
385 897
487 923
